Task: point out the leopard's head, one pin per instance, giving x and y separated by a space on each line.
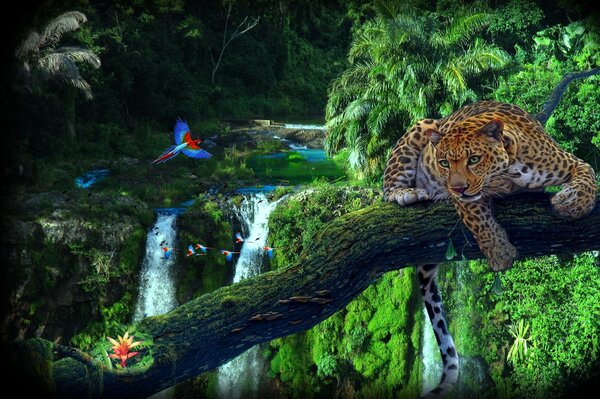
469 156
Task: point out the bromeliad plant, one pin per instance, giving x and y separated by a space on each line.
518 350
122 348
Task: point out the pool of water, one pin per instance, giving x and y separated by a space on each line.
88 179
278 168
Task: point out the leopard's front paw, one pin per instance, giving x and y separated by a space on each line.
502 256
572 203
407 196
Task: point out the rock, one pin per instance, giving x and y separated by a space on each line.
55 283
474 378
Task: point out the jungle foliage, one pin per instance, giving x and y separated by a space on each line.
372 68
157 61
407 63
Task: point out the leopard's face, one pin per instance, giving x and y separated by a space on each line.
469 156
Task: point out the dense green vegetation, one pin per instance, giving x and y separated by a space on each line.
372 344
157 59
370 69
409 63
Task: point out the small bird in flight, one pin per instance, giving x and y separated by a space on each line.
202 248
269 251
228 254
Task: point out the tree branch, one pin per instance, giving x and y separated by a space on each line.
349 254
558 92
245 25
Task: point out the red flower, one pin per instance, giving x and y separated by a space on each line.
122 348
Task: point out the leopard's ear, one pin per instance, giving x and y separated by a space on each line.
493 129
434 136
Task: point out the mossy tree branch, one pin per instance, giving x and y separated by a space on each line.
344 259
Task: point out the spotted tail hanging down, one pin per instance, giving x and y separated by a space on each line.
433 304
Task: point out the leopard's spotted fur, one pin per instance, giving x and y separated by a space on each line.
483 150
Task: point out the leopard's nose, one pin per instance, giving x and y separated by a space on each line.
459 190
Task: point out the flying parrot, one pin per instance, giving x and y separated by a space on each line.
183 143
168 251
269 251
239 238
228 254
202 248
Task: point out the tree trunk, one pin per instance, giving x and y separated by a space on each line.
346 257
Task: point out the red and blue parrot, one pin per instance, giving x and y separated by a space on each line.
184 144
238 238
269 251
168 251
202 248
191 251
228 254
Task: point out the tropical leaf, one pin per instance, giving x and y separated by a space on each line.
41 61
28 46
67 22
450 250
403 68
461 29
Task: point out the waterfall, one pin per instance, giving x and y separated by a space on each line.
157 288
240 377
430 355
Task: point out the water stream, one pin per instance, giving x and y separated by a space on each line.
157 288
240 377
430 355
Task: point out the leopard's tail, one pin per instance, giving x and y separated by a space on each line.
435 311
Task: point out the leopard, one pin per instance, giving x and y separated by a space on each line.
482 151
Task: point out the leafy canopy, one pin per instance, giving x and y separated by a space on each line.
404 66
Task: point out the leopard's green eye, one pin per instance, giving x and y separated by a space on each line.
444 163
474 159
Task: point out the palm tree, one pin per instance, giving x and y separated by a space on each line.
402 68
41 61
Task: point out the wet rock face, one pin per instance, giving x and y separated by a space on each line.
64 261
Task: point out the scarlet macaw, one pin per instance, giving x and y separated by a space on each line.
269 251
168 251
183 143
202 248
239 238
228 254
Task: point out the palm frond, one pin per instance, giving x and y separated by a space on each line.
66 22
482 57
83 86
29 46
454 78
78 54
462 28
57 64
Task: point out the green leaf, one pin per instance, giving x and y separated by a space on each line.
450 251
107 361
497 285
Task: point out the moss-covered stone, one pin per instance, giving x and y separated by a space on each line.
69 263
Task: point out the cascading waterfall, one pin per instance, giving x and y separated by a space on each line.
157 288
239 378
430 355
